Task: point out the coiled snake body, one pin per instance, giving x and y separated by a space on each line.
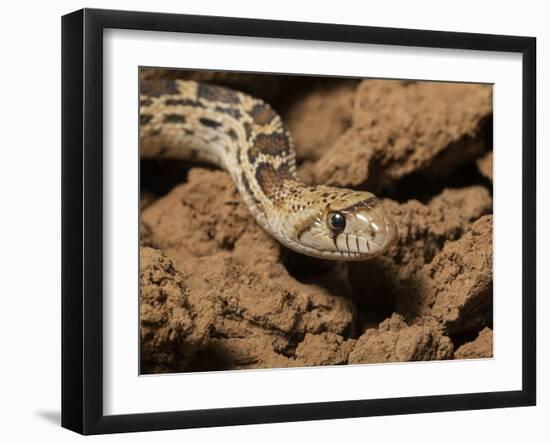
246 137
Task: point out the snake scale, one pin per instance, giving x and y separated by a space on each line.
246 137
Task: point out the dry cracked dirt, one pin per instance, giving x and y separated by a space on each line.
219 293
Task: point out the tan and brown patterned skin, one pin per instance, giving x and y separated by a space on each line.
246 137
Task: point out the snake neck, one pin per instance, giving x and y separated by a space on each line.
241 134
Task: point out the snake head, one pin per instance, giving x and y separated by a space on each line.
348 225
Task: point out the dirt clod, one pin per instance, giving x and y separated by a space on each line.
395 341
404 127
456 287
173 325
481 347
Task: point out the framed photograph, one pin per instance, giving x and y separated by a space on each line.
269 221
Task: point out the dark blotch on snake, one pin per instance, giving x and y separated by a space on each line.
270 144
247 130
217 94
156 88
182 102
271 179
232 134
173 118
209 123
235 113
262 114
144 119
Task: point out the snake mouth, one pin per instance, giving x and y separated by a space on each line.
336 255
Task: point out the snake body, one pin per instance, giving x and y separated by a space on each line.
246 137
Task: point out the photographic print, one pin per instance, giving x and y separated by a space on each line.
295 221
269 221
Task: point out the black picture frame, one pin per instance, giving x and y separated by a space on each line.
82 218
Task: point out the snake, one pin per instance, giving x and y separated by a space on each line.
202 122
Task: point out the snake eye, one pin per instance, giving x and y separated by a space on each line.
336 222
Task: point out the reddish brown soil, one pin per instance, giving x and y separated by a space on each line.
481 347
217 292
